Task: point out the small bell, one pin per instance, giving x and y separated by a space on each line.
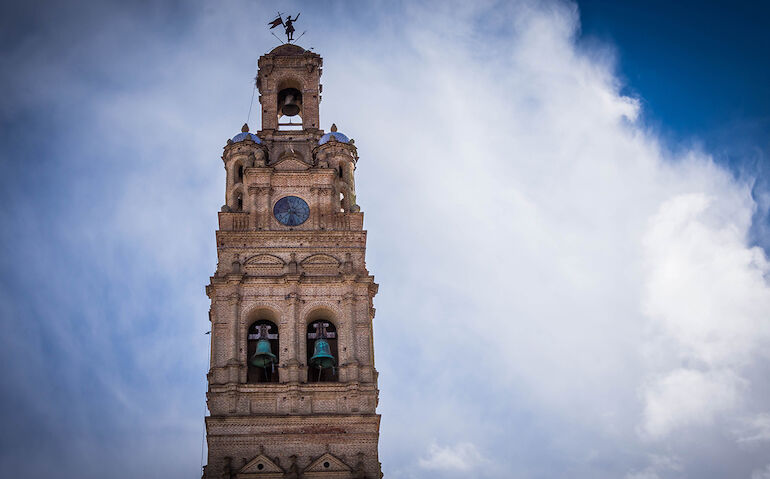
322 356
290 101
264 355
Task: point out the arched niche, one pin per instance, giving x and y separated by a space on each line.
238 170
262 368
237 199
322 328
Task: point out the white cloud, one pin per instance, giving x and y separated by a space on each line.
761 474
643 475
553 279
707 298
590 273
660 466
687 397
754 429
462 457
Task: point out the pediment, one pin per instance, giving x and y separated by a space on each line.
327 463
265 260
261 467
320 259
290 163
320 265
264 265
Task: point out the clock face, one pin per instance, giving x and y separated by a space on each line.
291 211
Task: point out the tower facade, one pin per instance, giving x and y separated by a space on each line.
292 385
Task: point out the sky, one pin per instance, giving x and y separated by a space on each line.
567 207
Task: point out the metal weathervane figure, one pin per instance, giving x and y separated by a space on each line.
288 25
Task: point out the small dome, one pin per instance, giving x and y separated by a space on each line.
246 136
287 49
337 136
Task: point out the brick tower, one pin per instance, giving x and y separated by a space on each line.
292 386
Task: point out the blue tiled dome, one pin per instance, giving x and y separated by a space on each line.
337 136
246 136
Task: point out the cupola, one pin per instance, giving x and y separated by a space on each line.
333 135
245 135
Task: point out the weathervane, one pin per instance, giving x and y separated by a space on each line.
288 25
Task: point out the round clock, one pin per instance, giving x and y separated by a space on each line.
291 211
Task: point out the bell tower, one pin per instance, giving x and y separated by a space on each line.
289 86
292 388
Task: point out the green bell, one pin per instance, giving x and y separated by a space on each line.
263 355
322 356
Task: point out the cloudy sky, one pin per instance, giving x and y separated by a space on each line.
567 208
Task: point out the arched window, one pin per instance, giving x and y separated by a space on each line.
262 352
239 174
322 358
239 201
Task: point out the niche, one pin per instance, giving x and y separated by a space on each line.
322 358
262 352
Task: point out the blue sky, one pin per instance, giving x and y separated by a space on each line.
701 70
596 229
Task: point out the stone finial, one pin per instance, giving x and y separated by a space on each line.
334 127
245 128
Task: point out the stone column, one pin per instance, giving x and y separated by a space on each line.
268 201
218 341
325 219
347 175
314 207
290 362
263 205
348 355
254 206
234 362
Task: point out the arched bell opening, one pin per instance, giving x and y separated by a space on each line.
262 352
289 109
239 173
322 356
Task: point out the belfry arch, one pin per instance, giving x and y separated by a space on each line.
262 352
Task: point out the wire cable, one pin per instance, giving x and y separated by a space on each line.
251 103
